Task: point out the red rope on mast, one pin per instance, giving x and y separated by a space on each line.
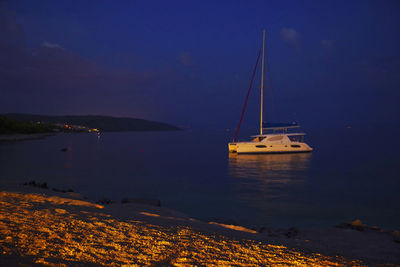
247 97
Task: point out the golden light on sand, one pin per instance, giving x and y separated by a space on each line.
54 231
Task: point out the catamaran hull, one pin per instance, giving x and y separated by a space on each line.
232 147
273 152
263 148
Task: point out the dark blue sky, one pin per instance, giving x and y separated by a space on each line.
190 62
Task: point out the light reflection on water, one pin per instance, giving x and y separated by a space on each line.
262 166
266 176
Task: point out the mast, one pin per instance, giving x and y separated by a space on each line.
262 85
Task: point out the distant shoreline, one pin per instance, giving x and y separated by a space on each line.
87 123
14 137
23 137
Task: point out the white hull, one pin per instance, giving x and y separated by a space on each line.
274 143
265 148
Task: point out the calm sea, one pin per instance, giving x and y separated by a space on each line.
352 174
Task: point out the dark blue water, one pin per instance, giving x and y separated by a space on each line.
352 174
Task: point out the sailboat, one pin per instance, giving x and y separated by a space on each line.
273 137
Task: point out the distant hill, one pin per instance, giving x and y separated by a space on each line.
103 123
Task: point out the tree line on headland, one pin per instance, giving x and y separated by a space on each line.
11 126
29 123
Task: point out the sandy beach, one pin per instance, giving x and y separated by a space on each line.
40 226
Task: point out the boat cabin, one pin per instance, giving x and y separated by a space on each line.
282 137
280 132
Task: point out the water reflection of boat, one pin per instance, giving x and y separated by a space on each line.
248 166
267 175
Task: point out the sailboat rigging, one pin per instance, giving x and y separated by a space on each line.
273 137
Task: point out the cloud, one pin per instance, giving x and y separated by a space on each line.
186 59
50 68
49 78
291 37
52 46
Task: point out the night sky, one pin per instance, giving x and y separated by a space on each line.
190 62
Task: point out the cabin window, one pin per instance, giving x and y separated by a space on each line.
260 146
296 138
275 138
258 138
294 145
